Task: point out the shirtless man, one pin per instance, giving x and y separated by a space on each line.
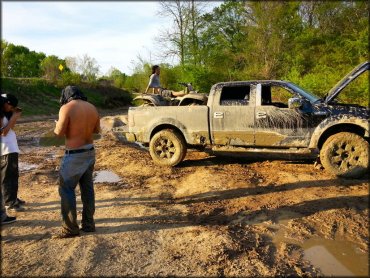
78 121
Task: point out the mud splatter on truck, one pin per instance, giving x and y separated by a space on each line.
261 116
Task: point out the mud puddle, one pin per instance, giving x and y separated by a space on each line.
25 167
105 176
337 257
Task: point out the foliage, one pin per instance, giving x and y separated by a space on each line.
72 63
19 61
311 43
88 67
117 77
69 78
38 96
50 67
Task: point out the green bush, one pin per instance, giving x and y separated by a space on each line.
38 96
69 78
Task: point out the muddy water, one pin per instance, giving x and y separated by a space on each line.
105 176
49 139
333 257
336 257
24 167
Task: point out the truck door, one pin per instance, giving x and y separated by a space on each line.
232 115
277 125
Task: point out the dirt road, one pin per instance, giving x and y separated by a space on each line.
210 216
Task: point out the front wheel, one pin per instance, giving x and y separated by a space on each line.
167 148
346 155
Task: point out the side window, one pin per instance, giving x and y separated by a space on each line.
275 96
238 95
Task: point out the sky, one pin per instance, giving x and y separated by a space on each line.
114 33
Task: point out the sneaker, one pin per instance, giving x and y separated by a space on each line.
63 234
8 220
16 208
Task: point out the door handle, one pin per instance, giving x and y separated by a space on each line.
261 115
218 115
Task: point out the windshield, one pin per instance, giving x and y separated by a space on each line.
311 97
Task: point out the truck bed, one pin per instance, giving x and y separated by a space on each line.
192 121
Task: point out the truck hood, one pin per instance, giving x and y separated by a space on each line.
356 72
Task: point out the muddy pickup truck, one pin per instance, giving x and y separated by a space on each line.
270 116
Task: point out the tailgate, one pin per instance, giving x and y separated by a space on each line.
191 121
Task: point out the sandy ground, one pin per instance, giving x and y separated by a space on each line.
210 216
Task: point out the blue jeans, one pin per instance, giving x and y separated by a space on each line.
77 168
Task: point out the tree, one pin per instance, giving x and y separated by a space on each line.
72 63
310 43
118 77
19 61
193 36
50 66
88 67
173 40
272 28
223 39
181 40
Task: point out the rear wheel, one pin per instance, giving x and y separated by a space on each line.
167 148
346 155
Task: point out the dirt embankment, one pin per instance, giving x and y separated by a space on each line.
210 216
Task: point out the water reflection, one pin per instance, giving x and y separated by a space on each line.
337 257
24 167
106 176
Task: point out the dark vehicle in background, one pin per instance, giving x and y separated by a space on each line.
262 116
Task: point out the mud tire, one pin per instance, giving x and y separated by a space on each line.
167 148
346 155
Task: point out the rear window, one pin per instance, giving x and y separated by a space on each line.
237 95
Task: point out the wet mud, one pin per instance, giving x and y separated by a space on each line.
209 216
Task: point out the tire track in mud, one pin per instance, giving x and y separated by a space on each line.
209 216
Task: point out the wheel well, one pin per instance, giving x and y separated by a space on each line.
189 101
341 128
166 126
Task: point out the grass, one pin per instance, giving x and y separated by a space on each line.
38 96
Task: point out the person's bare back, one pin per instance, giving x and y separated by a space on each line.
78 121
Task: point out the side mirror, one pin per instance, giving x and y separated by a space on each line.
295 103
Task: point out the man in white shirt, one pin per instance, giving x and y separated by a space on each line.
10 113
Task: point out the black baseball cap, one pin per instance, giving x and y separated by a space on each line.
10 99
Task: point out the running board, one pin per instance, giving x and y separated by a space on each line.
305 152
